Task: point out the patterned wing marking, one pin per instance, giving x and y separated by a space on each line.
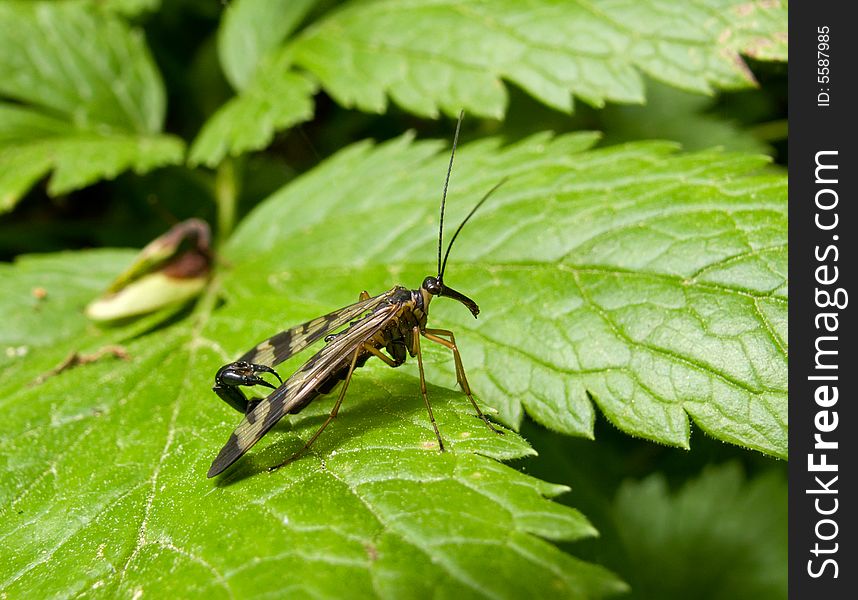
286 344
295 389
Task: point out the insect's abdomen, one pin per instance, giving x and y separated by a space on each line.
337 376
330 382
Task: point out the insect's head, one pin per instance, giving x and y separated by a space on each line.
434 286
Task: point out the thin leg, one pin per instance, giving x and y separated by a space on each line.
376 352
415 333
433 335
330 418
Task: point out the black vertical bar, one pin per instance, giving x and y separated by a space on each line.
822 194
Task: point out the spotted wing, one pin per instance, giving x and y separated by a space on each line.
286 344
304 381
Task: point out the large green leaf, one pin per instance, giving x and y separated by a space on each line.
104 491
650 280
85 99
429 56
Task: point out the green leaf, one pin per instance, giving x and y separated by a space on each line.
430 56
87 100
273 97
275 100
70 280
433 55
758 30
653 281
252 30
651 284
103 487
720 536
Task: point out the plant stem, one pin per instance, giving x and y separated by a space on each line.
226 197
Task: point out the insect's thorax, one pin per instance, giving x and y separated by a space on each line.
412 313
397 333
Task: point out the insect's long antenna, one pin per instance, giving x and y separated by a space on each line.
446 183
462 224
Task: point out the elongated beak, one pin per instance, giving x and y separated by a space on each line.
451 293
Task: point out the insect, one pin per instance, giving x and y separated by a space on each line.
388 326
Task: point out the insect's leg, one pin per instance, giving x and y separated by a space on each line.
330 418
434 335
364 295
398 351
376 352
415 334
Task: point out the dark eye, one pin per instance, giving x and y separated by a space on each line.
431 285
